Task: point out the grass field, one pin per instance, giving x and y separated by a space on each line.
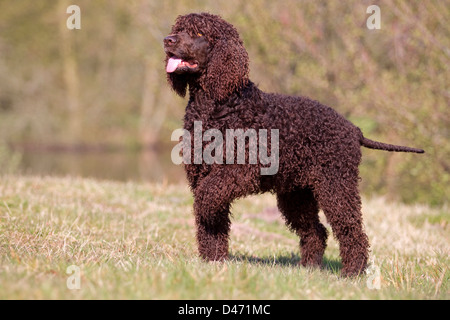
137 241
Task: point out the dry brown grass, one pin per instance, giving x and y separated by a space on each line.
137 241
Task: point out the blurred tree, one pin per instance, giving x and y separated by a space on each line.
70 73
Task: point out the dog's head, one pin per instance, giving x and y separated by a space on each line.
204 50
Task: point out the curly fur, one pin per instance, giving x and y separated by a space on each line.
319 149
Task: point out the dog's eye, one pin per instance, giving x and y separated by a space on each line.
200 34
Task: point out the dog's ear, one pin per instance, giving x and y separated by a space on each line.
227 68
178 83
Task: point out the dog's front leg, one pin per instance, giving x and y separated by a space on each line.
213 196
212 219
213 235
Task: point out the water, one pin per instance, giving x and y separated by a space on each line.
148 166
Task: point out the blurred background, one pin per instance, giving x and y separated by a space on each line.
94 102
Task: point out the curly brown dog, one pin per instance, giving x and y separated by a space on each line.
319 150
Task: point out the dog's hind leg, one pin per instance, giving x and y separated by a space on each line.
301 213
341 203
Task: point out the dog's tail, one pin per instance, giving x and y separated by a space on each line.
387 147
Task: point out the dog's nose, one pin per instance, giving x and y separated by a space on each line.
170 40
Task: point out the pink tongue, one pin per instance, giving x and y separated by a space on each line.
172 64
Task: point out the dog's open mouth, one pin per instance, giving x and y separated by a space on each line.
175 63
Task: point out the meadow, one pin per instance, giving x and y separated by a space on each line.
137 241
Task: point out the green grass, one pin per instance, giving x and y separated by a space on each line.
137 241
